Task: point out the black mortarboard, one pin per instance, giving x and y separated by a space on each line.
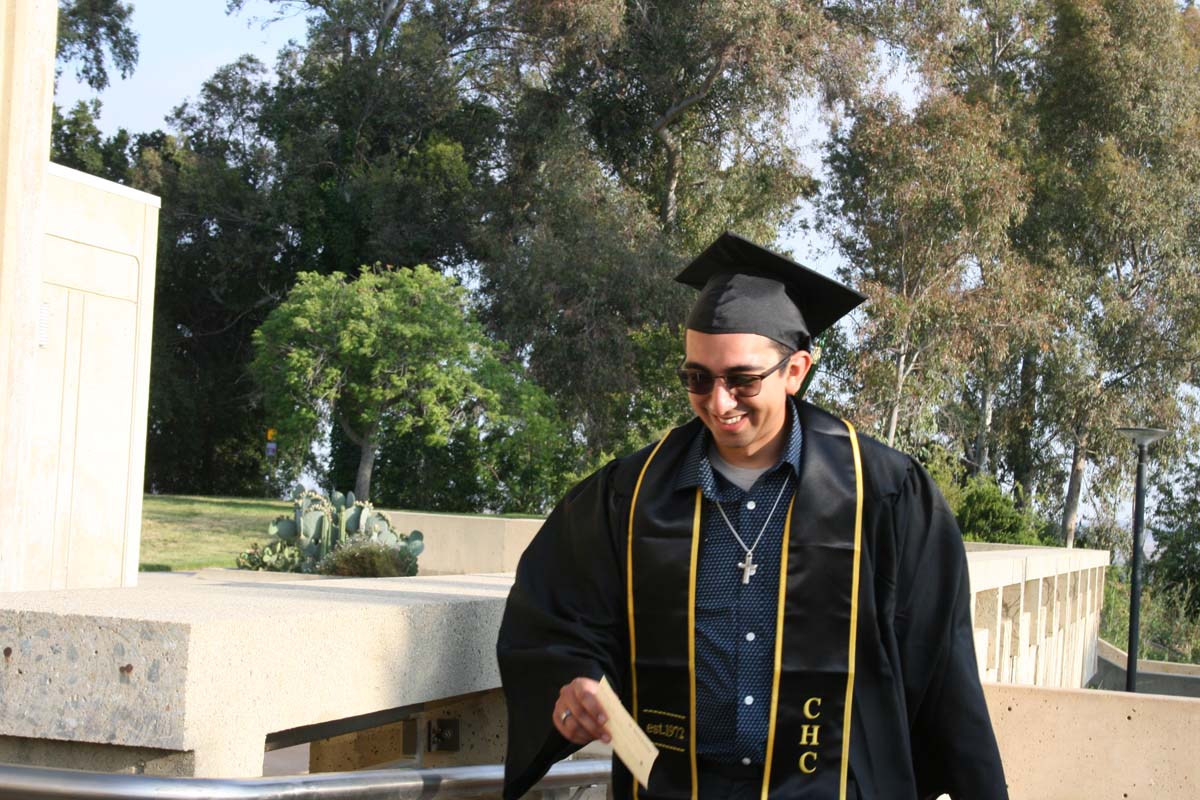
745 288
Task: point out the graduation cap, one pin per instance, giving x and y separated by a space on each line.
746 288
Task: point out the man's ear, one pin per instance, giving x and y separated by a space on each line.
797 368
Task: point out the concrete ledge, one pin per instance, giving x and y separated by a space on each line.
1153 677
1066 744
203 668
213 666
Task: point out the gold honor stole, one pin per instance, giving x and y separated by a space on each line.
808 745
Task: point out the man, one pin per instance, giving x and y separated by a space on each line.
782 604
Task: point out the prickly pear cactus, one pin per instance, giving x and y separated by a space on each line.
310 538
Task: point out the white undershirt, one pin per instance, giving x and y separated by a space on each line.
741 477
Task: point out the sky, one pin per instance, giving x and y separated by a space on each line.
180 45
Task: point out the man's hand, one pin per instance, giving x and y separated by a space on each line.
577 714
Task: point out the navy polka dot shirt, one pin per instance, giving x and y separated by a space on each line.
735 622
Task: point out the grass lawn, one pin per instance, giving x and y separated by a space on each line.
184 533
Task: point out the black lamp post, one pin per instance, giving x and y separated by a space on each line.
1143 438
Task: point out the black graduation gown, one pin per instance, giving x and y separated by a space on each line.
918 723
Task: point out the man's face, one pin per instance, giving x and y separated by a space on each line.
748 431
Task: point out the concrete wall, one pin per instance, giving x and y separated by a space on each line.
1037 613
1063 744
93 379
76 292
27 39
1153 677
188 675
459 544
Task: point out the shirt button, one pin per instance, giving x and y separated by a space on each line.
746 761
749 700
750 505
750 636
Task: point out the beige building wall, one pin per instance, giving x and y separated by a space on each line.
27 39
93 379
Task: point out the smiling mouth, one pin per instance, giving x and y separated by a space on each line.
730 422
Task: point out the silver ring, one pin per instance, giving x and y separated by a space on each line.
562 718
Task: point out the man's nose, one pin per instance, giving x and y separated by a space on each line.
721 400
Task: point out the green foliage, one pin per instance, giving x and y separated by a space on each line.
947 472
1113 218
1176 531
986 513
1167 632
277 556
393 349
510 450
920 204
319 526
90 32
361 557
76 142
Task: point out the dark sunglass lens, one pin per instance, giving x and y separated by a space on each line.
695 381
744 385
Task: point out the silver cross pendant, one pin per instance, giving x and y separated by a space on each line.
748 567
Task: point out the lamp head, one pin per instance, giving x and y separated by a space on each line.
1143 436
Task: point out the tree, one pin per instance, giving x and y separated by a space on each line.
570 277
510 451
1115 216
920 205
90 33
634 134
1175 568
224 261
76 142
361 147
389 350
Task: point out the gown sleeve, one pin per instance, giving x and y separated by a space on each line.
953 747
565 618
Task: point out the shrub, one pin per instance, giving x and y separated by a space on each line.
362 558
276 556
987 513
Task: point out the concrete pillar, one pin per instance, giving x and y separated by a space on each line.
27 42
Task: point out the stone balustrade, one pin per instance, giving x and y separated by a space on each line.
1036 613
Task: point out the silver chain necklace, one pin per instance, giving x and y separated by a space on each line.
748 567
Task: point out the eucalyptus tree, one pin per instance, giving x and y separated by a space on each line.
637 132
919 204
1116 217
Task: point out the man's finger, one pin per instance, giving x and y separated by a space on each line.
586 709
591 704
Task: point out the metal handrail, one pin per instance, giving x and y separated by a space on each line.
45 783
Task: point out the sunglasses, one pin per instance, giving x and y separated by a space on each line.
741 384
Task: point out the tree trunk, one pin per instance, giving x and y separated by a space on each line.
983 436
1074 488
1022 460
368 444
894 417
366 464
668 208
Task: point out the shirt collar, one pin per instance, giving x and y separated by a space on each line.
697 469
